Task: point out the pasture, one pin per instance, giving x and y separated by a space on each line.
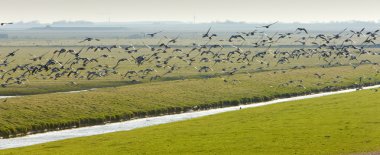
337 124
189 77
36 113
150 77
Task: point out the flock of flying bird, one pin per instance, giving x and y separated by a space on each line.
242 52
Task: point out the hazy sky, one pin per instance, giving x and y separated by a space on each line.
185 10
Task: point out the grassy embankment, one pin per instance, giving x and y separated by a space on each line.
337 124
61 110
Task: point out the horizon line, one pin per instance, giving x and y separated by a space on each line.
191 22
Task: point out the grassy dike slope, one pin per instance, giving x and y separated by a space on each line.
63 110
338 124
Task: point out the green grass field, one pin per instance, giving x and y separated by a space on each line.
337 124
174 93
62 110
120 98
